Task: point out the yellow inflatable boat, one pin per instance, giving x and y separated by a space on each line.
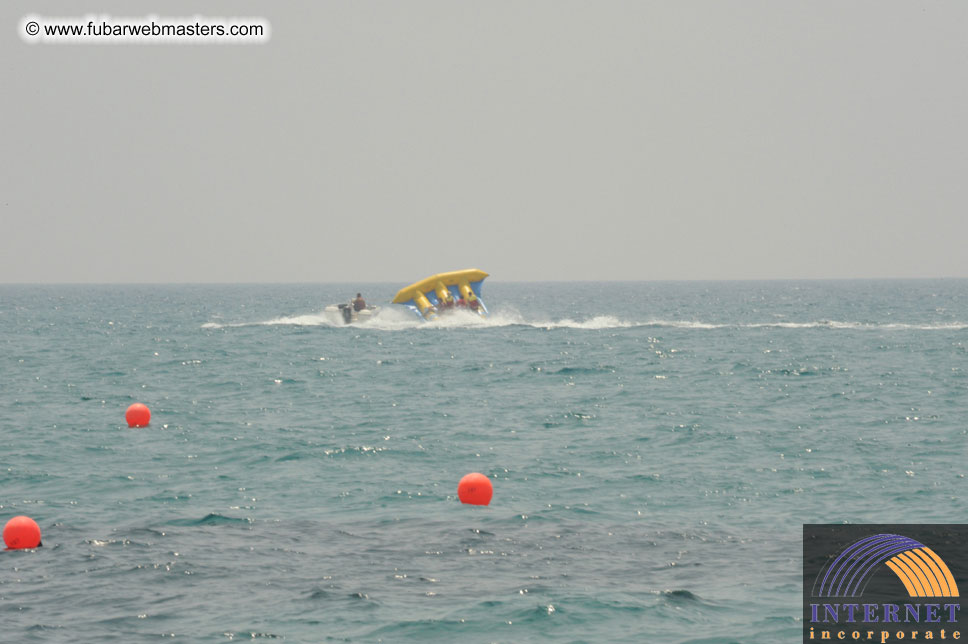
444 292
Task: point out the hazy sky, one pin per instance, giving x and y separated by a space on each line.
384 141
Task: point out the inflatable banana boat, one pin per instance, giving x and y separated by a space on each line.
444 292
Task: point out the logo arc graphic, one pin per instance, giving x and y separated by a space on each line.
922 572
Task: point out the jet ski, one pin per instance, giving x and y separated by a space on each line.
346 314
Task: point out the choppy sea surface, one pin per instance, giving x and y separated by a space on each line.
654 447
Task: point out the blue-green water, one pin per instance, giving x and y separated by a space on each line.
654 448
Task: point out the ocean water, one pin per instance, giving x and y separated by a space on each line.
654 449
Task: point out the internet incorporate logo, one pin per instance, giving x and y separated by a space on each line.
922 572
909 591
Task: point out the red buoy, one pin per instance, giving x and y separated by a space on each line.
137 415
475 489
21 532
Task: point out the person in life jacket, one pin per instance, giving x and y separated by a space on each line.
472 302
359 303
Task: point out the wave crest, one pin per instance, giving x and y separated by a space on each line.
392 319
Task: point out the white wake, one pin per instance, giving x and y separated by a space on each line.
399 319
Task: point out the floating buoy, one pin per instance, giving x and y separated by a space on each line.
21 532
475 489
137 415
